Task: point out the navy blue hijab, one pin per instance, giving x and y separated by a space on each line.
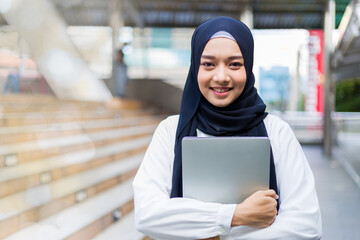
243 117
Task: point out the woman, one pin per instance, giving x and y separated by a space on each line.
219 99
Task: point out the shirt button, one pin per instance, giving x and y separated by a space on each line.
223 230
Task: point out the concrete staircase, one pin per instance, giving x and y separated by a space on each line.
66 167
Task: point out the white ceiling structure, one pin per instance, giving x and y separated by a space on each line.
267 14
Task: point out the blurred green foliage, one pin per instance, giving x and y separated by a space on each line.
340 9
347 97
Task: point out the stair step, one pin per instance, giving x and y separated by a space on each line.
27 107
20 177
63 113
84 220
24 157
74 139
35 132
39 202
24 107
23 101
123 229
20 153
17 119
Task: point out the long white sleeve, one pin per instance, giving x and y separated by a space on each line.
179 218
299 214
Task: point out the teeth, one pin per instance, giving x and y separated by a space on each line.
221 90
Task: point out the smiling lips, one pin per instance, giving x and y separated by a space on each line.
220 91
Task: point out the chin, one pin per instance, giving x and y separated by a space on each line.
220 104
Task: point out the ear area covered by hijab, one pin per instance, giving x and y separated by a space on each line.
242 117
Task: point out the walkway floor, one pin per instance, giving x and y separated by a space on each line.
338 194
347 149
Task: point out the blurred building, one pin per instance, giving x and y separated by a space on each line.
275 86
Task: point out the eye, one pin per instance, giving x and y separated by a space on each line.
207 64
236 65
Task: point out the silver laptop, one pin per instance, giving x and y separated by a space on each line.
224 169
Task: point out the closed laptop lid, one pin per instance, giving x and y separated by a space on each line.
224 169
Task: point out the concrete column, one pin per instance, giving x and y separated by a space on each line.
329 26
294 87
45 32
246 16
116 22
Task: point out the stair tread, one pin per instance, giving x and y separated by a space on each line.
72 219
66 113
40 99
47 164
125 228
42 144
37 196
75 125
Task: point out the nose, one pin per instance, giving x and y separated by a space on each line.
221 75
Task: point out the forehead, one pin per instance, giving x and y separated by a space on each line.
221 45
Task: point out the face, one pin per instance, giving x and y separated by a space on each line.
222 74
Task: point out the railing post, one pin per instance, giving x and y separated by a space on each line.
329 25
246 16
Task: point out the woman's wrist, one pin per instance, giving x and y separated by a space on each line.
237 219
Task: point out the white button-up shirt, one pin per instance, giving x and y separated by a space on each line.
162 217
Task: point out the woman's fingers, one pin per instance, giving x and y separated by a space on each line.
258 210
270 193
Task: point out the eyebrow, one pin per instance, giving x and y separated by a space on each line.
230 58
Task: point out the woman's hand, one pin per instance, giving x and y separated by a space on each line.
258 210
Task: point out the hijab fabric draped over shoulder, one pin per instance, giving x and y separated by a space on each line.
243 117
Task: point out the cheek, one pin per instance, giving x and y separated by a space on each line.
203 79
243 81
202 75
242 78
240 81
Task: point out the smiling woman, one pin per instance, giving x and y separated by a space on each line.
220 99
